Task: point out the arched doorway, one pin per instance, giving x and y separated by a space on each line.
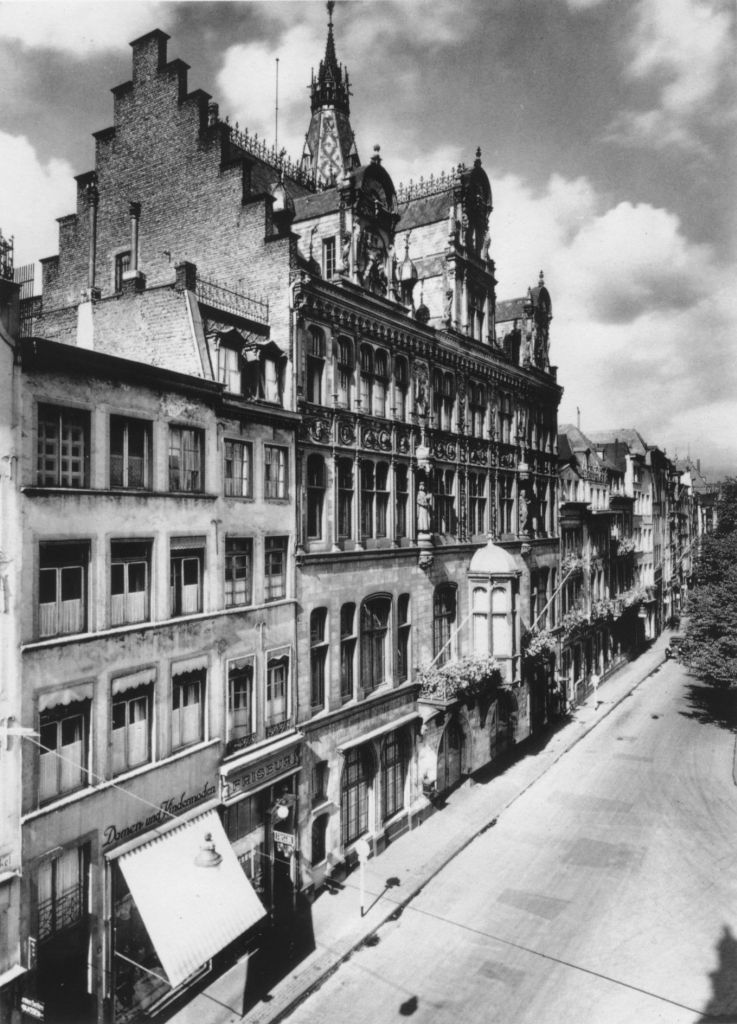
450 756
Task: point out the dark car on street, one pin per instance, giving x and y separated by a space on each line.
674 646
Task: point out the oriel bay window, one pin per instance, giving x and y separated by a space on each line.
130 563
347 649
318 656
375 613
187 560
63 447
130 453
62 588
238 571
444 620
131 721
186 459
355 782
240 703
275 568
64 730
238 456
188 708
315 496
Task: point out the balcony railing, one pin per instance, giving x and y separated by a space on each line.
60 912
228 300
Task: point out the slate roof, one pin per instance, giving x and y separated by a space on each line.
625 435
510 309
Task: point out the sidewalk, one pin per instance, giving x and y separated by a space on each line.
394 878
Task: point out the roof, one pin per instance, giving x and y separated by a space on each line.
424 210
492 560
316 204
624 435
510 309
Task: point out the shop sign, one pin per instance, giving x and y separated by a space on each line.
257 774
284 839
32 1008
31 953
168 809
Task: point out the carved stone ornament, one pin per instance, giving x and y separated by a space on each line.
320 430
421 377
403 443
346 432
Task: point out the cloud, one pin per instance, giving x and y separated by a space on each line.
41 192
683 50
80 28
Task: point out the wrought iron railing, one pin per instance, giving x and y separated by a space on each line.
61 911
228 300
430 187
241 742
276 728
278 159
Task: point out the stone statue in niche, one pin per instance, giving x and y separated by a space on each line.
346 252
424 510
448 310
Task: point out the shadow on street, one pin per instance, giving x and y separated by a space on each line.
722 1007
712 706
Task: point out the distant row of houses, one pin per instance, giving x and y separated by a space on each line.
292 541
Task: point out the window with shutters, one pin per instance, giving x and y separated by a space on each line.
62 588
188 708
130 587
131 729
64 740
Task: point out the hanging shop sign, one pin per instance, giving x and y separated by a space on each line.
32 1008
168 809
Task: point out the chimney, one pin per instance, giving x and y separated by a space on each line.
133 279
186 279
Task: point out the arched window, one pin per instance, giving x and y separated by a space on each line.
374 641
354 793
501 633
318 656
315 496
401 389
404 629
393 773
367 378
345 371
381 383
315 365
480 621
345 499
444 618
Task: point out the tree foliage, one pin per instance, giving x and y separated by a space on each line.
710 645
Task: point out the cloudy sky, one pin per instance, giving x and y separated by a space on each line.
607 128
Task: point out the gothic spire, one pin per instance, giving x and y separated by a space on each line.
331 88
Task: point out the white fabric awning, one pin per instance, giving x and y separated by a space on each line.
67 695
145 677
198 664
190 912
398 723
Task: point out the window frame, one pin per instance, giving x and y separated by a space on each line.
130 553
319 647
65 782
135 695
444 619
61 558
276 659
192 478
404 637
275 546
374 642
230 461
68 443
237 669
125 423
238 547
180 556
348 644
316 488
181 684
276 488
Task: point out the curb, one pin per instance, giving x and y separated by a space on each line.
400 905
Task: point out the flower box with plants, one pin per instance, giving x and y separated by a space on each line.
625 547
572 565
573 622
604 608
539 644
462 678
635 596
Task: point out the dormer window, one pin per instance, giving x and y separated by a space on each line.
264 373
229 369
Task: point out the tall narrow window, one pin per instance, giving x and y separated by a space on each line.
449 395
277 680
64 738
345 371
238 571
401 389
404 628
131 728
319 839
374 637
238 462
445 518
437 400
381 383
62 891
275 568
382 498
185 577
188 709
186 459
62 588
477 405
229 369
122 266
240 704
318 656
368 489
476 504
367 378
130 453
315 365
129 582
394 772
354 794
444 620
315 496
63 443
275 472
480 621
328 258
401 492
506 503
501 632
347 649
345 499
